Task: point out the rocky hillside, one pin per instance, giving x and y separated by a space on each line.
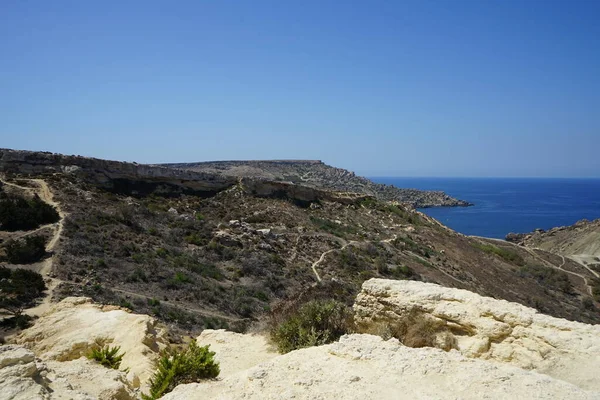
320 175
579 242
582 238
200 251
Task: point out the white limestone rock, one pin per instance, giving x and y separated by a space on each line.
70 328
367 367
491 329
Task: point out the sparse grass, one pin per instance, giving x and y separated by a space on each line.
409 244
192 365
332 227
507 255
413 329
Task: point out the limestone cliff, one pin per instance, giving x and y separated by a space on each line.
317 174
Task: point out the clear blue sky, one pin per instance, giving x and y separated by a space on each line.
417 88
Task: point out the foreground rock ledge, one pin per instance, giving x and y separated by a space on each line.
490 329
367 367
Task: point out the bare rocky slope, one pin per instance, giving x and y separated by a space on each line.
579 242
318 174
580 239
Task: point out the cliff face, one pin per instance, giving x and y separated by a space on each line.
140 180
318 174
122 177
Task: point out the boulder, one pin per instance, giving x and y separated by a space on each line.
20 374
70 328
489 329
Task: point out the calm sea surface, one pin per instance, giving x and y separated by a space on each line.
509 205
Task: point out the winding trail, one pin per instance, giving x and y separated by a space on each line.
350 243
45 194
548 263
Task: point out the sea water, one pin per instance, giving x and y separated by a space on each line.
504 205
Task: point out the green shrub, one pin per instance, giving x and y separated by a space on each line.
19 288
508 255
137 275
106 356
26 251
548 277
195 239
153 302
332 227
192 365
17 213
314 323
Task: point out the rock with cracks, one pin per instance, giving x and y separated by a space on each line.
489 329
367 367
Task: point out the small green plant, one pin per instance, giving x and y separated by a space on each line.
153 302
313 324
192 365
106 356
199 217
195 239
162 252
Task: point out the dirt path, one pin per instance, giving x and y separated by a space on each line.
548 263
43 191
350 243
579 258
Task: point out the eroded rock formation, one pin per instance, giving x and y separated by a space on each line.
489 329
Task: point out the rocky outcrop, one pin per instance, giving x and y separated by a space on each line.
303 195
367 367
70 329
22 376
581 238
320 175
489 329
139 179
122 177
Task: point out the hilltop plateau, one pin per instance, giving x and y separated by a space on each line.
317 174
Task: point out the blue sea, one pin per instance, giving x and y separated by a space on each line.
504 205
